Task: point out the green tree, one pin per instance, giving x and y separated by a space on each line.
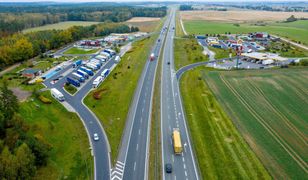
8 102
22 49
7 164
25 162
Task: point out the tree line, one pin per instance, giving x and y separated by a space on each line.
186 8
20 47
16 18
21 152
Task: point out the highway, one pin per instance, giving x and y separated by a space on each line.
172 116
100 149
132 161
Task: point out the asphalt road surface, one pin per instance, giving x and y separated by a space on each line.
172 116
100 149
132 162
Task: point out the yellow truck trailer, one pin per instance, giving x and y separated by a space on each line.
177 144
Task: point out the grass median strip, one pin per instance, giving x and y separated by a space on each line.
221 152
75 50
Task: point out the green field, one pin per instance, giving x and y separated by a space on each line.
296 31
75 50
221 151
187 51
269 108
60 25
70 156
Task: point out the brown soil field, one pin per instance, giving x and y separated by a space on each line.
240 16
142 19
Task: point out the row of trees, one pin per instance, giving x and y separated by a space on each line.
186 8
20 47
11 21
21 153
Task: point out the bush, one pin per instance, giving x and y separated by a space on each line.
45 100
303 62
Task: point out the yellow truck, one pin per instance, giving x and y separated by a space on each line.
177 144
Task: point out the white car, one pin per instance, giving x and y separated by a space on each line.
95 137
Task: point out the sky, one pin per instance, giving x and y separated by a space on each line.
147 0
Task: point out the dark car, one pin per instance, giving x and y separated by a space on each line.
168 168
168 63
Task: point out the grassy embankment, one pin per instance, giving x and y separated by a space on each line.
220 150
117 91
147 26
187 51
178 28
296 31
268 107
80 51
70 156
60 25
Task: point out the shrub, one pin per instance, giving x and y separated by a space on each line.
303 62
45 100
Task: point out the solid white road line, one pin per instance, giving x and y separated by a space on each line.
137 147
134 165
139 132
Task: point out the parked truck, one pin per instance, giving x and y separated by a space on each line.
110 51
57 94
88 71
152 57
105 73
73 81
78 77
77 63
91 66
177 144
97 81
83 74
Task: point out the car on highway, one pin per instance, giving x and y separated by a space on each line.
95 137
168 168
168 62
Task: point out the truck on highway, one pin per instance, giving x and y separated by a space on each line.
88 71
152 57
78 77
77 63
73 81
83 74
57 94
105 73
176 139
97 81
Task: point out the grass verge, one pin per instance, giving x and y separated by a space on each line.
70 88
187 51
70 157
117 92
221 53
178 28
221 151
75 50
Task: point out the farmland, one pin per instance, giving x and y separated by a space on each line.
60 26
145 24
270 110
296 31
221 151
240 16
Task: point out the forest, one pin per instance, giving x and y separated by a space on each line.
20 47
21 152
16 17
